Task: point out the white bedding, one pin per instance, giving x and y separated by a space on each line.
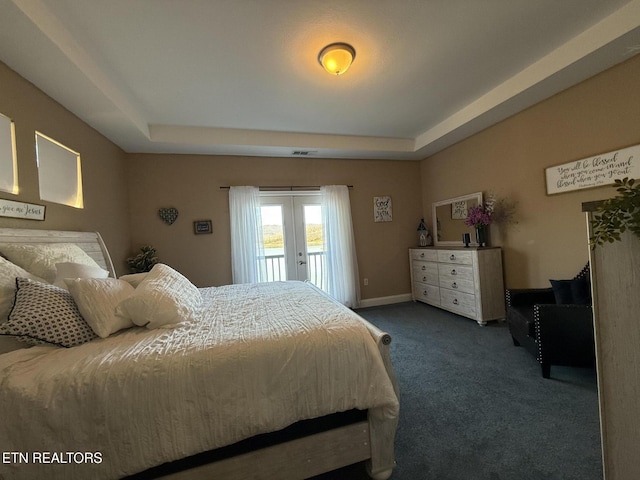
260 358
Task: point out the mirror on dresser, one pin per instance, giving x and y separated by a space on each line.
448 219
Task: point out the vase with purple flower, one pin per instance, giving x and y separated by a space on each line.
479 217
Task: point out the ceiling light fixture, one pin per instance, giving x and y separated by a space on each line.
336 58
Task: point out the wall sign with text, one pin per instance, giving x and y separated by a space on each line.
382 209
594 171
28 211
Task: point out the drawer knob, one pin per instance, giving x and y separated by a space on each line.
423 267
455 301
453 272
422 255
424 278
425 293
454 285
452 257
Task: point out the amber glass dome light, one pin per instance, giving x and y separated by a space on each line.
336 58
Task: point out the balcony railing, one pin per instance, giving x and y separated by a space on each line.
277 271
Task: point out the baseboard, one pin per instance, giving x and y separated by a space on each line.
375 302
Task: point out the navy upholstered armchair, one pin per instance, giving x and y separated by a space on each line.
554 324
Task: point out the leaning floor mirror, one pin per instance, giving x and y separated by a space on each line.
449 216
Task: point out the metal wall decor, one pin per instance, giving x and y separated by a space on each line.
168 215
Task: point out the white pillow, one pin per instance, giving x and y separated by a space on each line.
41 259
134 278
165 297
97 299
8 274
76 270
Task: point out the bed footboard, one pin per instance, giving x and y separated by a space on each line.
371 440
382 433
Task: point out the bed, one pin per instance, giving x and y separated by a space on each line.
253 362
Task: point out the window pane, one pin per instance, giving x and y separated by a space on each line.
273 242
8 159
314 243
59 172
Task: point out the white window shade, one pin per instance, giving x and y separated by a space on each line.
59 172
8 158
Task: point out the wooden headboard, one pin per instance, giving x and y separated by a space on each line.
90 242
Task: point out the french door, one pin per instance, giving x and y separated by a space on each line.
292 238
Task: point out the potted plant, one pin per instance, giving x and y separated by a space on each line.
143 261
616 215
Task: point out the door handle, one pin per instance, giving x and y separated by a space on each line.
301 262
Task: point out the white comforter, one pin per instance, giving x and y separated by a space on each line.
260 358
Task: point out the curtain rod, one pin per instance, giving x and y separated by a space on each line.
285 188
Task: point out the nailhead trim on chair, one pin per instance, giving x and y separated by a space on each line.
536 321
585 273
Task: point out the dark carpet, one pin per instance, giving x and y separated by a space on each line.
475 407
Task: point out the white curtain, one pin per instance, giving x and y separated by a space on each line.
247 251
341 280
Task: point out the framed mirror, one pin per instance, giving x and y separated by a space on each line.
449 216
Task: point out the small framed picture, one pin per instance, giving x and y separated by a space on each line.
202 226
382 209
459 210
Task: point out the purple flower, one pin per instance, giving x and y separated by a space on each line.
477 216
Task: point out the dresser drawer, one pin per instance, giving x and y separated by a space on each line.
456 277
425 272
424 254
455 256
426 293
460 302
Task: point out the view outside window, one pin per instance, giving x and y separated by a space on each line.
299 256
273 242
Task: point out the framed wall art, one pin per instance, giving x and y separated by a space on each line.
382 209
459 210
202 226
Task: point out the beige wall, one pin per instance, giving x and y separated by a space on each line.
123 192
105 193
550 241
191 183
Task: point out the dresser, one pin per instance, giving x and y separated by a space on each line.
467 281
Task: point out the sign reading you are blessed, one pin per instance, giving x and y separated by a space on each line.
594 171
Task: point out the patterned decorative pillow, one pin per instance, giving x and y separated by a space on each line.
46 314
8 274
41 260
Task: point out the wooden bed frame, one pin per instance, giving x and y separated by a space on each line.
300 458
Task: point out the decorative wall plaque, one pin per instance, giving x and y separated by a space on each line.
382 211
168 215
594 171
28 211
